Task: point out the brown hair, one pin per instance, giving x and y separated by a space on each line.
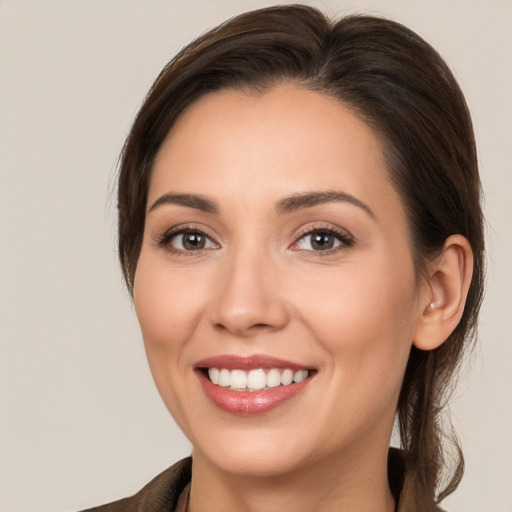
403 89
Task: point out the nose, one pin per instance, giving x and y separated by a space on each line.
249 299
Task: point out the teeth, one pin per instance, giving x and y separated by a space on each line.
238 379
255 379
224 378
286 377
300 376
213 373
273 378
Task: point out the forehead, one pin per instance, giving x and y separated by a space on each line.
287 140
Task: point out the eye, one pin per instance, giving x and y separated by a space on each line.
187 240
322 240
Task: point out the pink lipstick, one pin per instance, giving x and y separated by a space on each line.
251 385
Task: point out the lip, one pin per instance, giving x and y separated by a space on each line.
248 403
232 362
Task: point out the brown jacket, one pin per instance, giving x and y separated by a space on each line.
163 492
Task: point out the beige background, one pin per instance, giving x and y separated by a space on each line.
80 420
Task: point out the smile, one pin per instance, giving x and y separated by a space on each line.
251 385
255 380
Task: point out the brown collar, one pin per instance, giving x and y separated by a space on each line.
163 492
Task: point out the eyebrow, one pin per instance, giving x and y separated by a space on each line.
289 204
196 201
309 199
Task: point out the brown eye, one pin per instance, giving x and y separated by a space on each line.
191 241
322 240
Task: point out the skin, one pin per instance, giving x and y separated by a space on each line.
259 287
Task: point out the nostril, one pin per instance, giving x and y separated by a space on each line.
247 313
260 326
243 328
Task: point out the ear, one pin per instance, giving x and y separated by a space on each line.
444 293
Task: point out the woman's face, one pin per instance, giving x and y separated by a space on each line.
276 248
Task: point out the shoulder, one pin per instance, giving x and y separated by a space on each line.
159 495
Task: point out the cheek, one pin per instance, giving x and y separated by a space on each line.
168 303
364 320
160 291
364 326
356 300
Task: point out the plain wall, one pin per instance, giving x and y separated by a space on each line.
80 420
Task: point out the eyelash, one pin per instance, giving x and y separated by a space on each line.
346 240
165 239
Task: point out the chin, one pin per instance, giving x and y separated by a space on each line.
251 459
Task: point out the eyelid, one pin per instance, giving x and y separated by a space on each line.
163 239
345 237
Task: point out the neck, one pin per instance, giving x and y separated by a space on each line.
356 483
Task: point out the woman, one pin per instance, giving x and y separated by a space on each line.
300 228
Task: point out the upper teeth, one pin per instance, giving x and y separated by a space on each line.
255 379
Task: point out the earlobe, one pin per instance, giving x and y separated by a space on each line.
446 289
